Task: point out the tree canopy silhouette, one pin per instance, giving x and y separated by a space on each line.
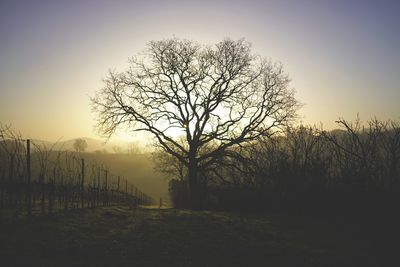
197 101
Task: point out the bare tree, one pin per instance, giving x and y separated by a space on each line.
215 97
80 145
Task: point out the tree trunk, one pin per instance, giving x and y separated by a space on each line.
195 197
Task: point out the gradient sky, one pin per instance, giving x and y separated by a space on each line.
343 56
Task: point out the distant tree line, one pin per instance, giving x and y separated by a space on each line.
304 169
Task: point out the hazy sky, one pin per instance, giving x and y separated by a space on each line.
343 56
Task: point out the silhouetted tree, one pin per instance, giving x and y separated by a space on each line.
80 145
216 98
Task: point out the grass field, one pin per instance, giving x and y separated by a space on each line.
119 236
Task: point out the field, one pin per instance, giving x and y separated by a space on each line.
119 236
137 168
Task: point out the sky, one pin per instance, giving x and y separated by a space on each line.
343 56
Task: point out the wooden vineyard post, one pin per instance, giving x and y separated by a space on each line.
51 191
28 173
105 202
83 183
11 177
132 191
136 197
126 191
98 189
118 194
